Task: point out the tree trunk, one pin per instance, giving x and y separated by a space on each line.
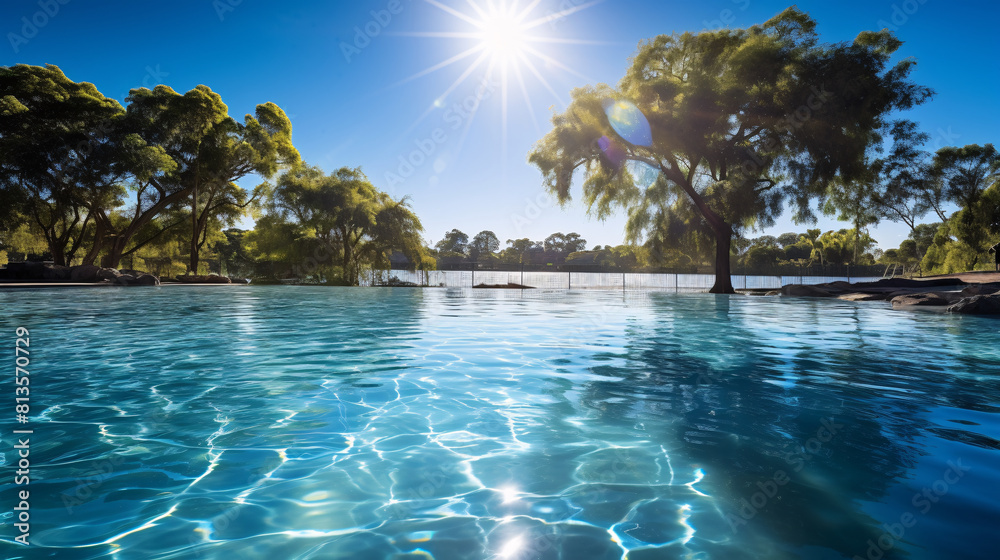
194 227
349 277
723 231
58 254
723 278
115 248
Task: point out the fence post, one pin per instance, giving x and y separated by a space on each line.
473 275
522 274
569 282
677 287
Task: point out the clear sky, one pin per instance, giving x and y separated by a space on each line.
366 83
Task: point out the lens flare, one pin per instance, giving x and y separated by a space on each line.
613 150
628 121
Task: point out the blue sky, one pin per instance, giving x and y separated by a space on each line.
354 101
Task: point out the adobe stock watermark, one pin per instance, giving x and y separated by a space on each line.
223 7
901 14
364 34
944 138
154 77
726 16
769 488
31 25
222 521
454 117
922 501
533 210
555 16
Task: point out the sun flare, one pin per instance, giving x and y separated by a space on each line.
504 37
504 44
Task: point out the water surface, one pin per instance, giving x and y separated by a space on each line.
307 423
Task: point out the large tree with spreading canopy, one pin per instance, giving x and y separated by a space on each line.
345 214
721 128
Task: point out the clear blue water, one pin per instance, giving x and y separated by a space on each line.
294 422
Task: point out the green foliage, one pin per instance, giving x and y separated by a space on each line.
57 140
455 241
103 181
970 177
741 121
484 246
339 223
564 243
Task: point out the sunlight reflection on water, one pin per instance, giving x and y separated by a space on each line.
295 422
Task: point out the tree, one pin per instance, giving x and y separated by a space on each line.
58 152
211 151
572 243
786 239
519 250
235 252
903 192
736 121
175 126
564 243
455 241
232 150
484 244
966 176
352 221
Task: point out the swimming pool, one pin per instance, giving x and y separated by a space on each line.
280 422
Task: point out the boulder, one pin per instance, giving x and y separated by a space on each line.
981 289
977 305
56 272
124 280
910 283
85 273
29 270
858 296
839 285
926 298
209 279
109 274
799 290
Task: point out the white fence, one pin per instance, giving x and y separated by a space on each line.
599 280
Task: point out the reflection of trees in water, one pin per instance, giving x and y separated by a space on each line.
743 411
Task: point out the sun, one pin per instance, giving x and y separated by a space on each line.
505 43
504 37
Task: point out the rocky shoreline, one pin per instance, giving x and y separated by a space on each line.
950 295
80 274
44 274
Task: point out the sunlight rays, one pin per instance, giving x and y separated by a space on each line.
503 33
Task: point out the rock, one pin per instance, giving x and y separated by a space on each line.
209 279
909 283
29 270
125 280
798 290
85 273
926 298
977 305
109 274
981 289
839 285
858 296
56 272
146 280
